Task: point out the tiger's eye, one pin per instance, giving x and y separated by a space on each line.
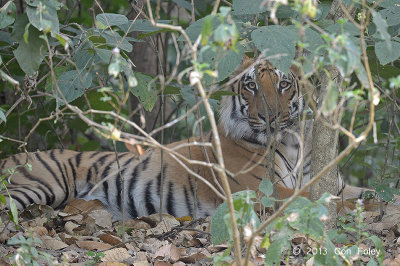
283 84
251 85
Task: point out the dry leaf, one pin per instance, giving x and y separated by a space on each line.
51 243
92 245
110 239
196 255
141 256
162 263
80 206
141 263
75 218
167 253
111 263
40 230
137 224
179 263
69 227
101 218
151 245
115 254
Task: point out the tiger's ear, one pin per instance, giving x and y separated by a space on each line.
296 69
246 59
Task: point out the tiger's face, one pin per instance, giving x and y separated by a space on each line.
246 116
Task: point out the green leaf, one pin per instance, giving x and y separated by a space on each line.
3 200
61 39
386 193
381 27
58 71
273 41
391 15
30 55
273 255
266 187
90 145
145 90
104 55
386 55
13 213
73 84
194 30
218 94
206 30
227 62
7 14
186 5
113 39
249 7
110 19
44 17
19 28
379 247
219 232
267 202
2 116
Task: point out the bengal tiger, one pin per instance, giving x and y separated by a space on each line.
245 125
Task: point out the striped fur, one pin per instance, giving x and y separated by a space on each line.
245 128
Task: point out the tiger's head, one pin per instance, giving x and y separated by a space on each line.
243 116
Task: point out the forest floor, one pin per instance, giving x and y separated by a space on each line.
85 234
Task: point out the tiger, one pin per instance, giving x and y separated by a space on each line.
247 120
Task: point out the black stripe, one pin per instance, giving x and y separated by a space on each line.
129 161
171 199
159 180
148 199
96 171
78 159
66 187
89 176
231 178
49 199
49 169
102 158
256 177
145 163
30 188
132 208
94 154
192 190
188 201
30 200
73 175
20 201
118 185
105 191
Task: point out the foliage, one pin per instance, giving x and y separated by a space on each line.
96 256
61 63
27 254
302 217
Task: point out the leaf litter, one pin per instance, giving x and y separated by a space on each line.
85 234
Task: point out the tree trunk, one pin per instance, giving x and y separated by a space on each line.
325 139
